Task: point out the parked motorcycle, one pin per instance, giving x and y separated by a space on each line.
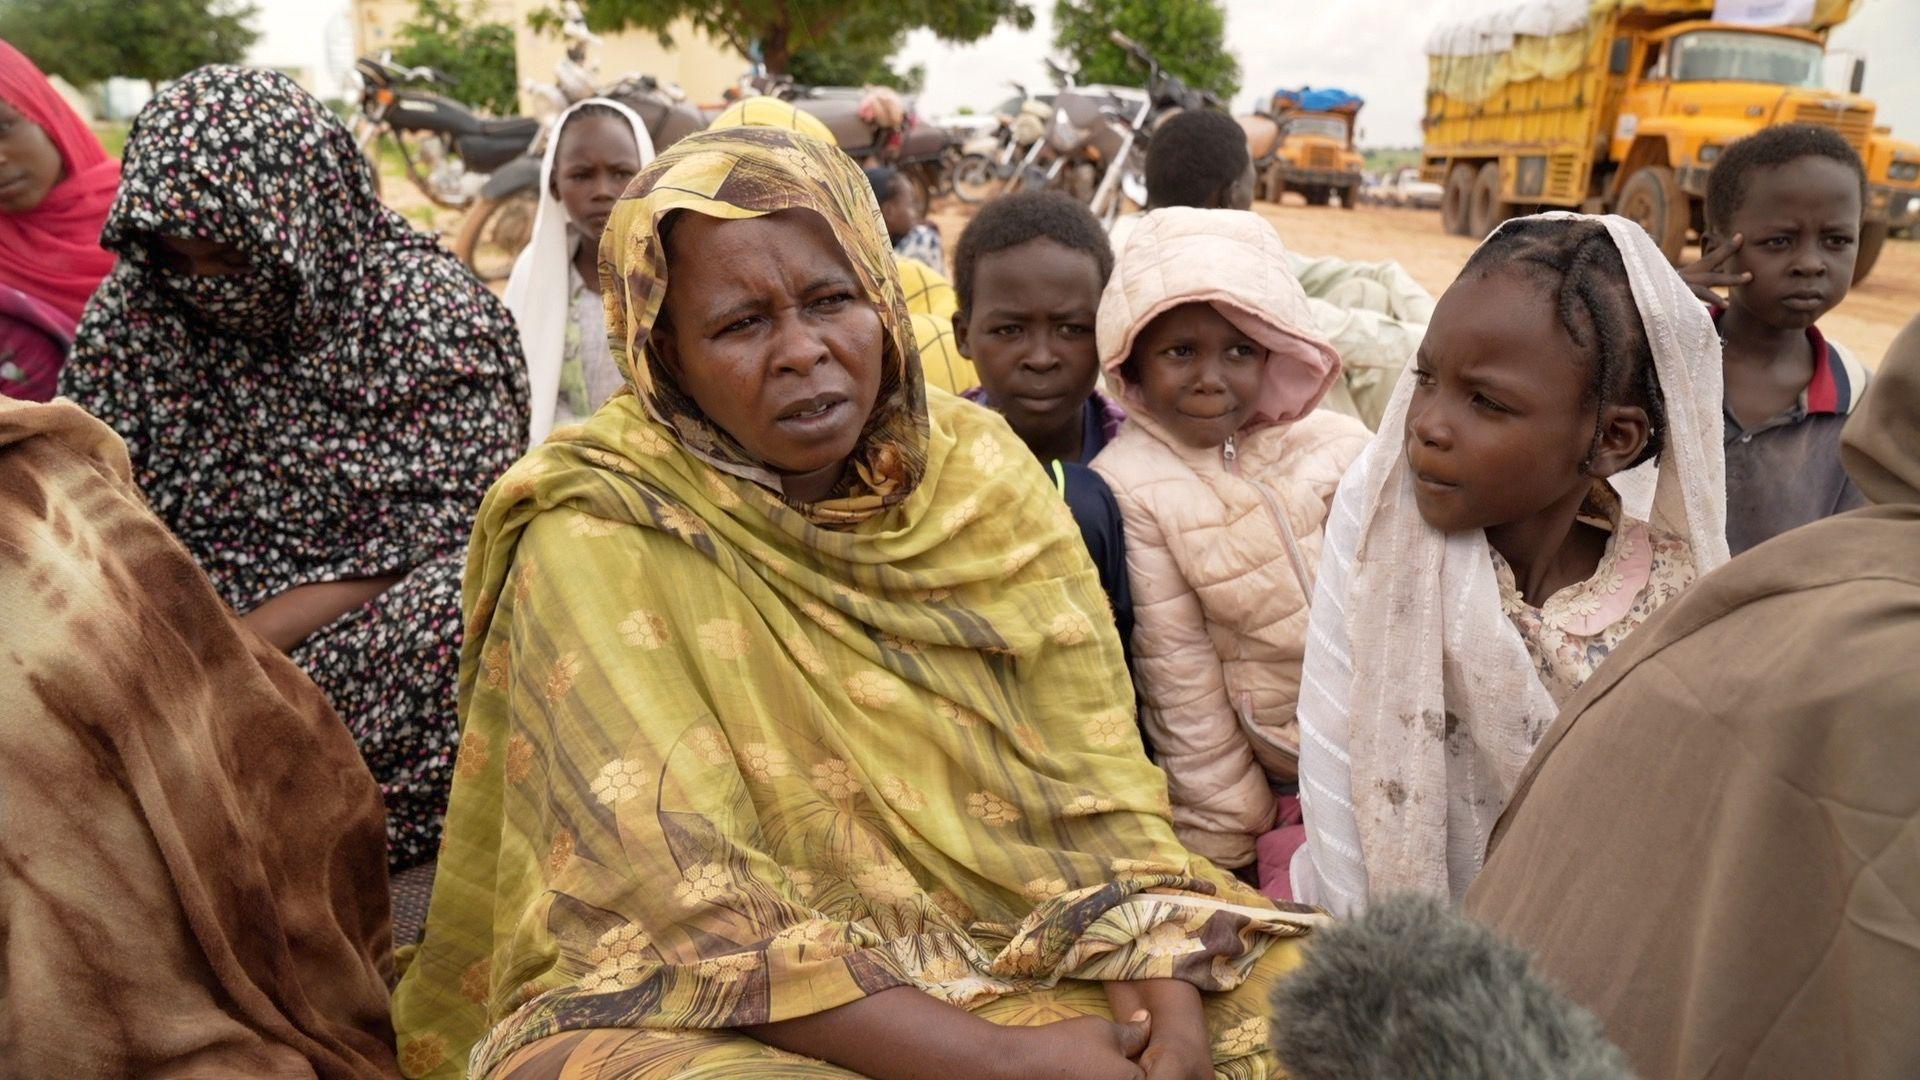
989 160
1095 147
447 148
877 126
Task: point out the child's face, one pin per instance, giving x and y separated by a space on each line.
1800 224
898 211
1028 328
1500 421
596 160
1199 375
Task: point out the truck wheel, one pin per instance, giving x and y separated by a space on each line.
1350 197
1317 195
1453 204
1873 237
1276 185
1485 211
1652 198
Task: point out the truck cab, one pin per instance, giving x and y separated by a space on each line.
1893 181
1304 142
1693 87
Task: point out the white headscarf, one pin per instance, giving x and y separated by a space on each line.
1408 639
538 291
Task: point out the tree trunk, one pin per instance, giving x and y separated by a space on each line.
776 52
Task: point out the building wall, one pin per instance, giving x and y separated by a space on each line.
703 67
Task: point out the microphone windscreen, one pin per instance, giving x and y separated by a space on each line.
1416 991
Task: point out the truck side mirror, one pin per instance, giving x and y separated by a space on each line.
1622 53
1859 75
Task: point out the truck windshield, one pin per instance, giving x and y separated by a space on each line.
1732 56
1317 125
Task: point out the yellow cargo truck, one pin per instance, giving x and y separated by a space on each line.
1304 142
1893 186
1618 105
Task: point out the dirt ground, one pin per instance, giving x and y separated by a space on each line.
1866 321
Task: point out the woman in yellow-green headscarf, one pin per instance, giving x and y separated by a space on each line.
794 720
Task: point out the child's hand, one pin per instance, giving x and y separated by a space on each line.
1704 276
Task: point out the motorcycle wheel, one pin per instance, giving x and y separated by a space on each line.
974 179
493 232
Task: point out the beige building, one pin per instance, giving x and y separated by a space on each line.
701 66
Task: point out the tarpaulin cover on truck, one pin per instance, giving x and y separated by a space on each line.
1324 99
1548 39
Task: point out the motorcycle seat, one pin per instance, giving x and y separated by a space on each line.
513 127
415 110
487 152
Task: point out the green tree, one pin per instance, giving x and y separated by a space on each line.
854 53
779 29
1188 37
456 39
85 41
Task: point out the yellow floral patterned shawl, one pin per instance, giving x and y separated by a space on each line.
730 761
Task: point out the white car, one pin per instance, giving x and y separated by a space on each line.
1405 188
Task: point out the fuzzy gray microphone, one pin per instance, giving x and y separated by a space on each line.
1415 991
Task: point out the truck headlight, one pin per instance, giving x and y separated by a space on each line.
1710 152
1904 171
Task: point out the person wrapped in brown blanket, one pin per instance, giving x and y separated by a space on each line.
192 853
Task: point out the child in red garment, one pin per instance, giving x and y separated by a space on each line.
1783 229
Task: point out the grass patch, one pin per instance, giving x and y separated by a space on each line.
113 136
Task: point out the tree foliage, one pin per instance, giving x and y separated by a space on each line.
1189 37
777 30
85 41
457 39
854 54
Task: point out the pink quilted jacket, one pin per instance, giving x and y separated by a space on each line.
1219 606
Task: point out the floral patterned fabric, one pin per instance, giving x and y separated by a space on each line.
730 760
1577 627
335 412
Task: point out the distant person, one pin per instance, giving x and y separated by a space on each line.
56 183
554 293
1223 473
1714 848
1478 565
315 395
1783 230
1196 158
911 237
1029 270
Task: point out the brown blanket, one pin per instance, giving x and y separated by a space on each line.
192 862
1717 847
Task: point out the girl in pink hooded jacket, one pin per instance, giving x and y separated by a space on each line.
1224 473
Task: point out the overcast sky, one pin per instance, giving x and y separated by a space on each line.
1371 47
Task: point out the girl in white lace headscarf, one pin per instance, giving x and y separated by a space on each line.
1478 564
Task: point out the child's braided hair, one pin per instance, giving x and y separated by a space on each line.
1594 300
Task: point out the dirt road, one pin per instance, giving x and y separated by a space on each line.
1866 321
